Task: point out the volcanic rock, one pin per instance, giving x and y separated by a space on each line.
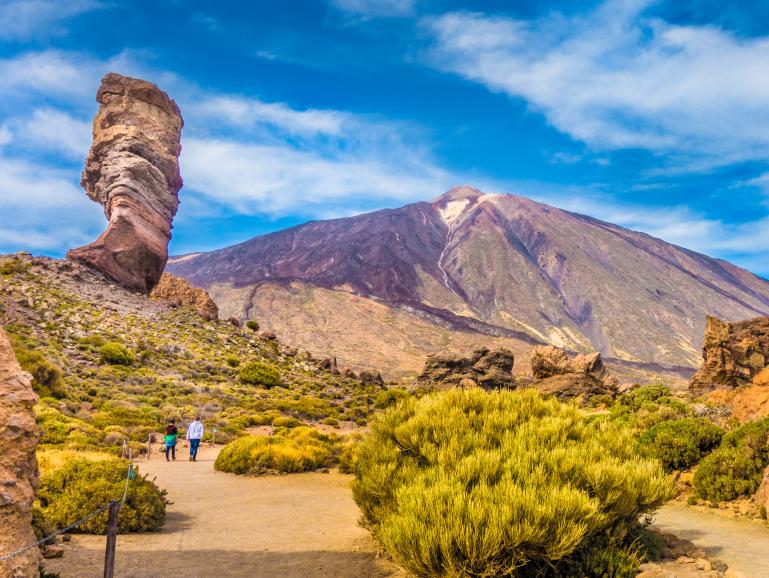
761 497
177 292
484 368
19 435
374 378
583 376
132 170
734 354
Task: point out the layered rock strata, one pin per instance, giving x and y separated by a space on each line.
132 170
19 435
178 293
733 354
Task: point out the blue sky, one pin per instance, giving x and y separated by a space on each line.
652 115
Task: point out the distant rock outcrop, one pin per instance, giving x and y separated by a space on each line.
177 292
734 354
19 435
484 368
133 172
584 375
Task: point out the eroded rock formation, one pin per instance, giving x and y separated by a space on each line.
19 435
734 354
484 368
177 292
133 172
583 375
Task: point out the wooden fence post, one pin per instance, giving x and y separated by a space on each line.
109 554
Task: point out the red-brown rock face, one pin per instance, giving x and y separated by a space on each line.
179 293
18 466
734 354
133 172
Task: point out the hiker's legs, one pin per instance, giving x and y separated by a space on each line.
173 452
168 449
194 449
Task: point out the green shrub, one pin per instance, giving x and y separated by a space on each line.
735 469
347 449
114 353
727 474
647 406
286 421
475 483
292 450
252 325
389 397
82 486
46 375
232 361
258 373
682 443
12 266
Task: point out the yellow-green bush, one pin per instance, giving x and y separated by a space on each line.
292 450
680 444
647 406
735 469
115 353
475 483
82 486
389 397
258 373
46 375
286 421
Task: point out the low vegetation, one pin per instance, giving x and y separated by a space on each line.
258 373
467 482
291 450
74 484
736 467
680 444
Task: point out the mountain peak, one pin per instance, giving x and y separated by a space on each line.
461 193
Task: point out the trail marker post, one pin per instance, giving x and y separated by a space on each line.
109 554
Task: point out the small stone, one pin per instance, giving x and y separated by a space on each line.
53 552
685 560
703 564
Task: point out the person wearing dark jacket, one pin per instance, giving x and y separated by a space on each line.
171 434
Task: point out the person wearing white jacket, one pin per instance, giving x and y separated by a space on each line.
194 435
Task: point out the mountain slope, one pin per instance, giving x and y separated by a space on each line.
491 265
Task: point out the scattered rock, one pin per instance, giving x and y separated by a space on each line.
17 463
233 321
584 375
53 552
133 172
734 354
761 497
179 293
484 368
371 378
268 336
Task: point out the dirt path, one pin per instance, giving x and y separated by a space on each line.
743 545
221 525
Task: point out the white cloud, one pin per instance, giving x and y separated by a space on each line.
375 8
43 208
26 19
614 79
280 180
241 112
52 130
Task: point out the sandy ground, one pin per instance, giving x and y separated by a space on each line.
222 525
743 545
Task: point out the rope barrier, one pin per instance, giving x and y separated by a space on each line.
129 476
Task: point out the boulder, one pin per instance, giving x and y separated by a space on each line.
132 170
368 377
179 293
19 435
584 376
484 368
734 354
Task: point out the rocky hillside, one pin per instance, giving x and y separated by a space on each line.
111 365
482 267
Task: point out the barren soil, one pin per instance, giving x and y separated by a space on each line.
222 525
